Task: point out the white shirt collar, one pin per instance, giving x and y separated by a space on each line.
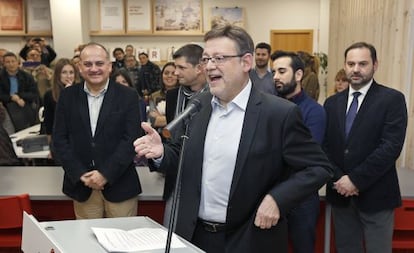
363 90
240 100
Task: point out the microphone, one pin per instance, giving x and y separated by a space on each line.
192 108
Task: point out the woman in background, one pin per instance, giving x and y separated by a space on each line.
156 112
122 76
341 81
65 75
310 81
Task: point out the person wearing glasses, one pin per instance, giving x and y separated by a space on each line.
249 157
96 123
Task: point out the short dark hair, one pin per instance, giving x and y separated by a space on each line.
125 74
244 41
143 53
296 63
116 50
192 53
264 45
10 54
363 45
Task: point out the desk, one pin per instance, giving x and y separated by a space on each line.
44 185
30 131
77 236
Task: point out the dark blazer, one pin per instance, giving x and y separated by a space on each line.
110 151
276 156
374 143
171 103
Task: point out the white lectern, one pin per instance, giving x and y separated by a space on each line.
74 236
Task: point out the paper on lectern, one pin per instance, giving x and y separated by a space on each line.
141 239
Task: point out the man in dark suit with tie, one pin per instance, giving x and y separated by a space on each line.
366 126
95 125
249 157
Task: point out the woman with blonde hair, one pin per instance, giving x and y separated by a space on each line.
341 81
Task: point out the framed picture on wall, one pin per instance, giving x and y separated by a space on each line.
11 16
154 54
38 16
227 15
178 17
138 16
111 13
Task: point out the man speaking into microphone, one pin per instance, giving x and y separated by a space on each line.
248 159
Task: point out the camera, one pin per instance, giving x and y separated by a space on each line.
37 39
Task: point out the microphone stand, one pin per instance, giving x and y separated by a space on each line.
176 194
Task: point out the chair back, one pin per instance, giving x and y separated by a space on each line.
404 216
11 210
403 237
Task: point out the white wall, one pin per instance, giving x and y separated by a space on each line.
67 26
13 44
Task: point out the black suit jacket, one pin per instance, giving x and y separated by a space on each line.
110 150
171 103
369 154
276 156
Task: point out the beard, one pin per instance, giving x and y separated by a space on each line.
286 88
363 79
261 65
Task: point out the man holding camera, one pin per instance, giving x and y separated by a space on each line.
47 52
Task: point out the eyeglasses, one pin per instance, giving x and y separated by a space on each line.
218 59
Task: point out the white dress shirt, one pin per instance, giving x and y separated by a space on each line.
361 97
95 104
220 153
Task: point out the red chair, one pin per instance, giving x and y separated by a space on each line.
11 219
404 226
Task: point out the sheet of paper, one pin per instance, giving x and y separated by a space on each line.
141 239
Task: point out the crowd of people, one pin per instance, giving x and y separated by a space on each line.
257 151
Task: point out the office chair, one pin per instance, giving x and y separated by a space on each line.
11 219
404 226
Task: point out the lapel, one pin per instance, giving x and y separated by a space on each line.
251 118
106 107
364 108
195 147
342 104
83 108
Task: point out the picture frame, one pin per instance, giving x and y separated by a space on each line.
138 17
38 17
12 17
112 16
178 17
154 54
227 15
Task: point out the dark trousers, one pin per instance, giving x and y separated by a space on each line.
358 232
302 222
208 241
